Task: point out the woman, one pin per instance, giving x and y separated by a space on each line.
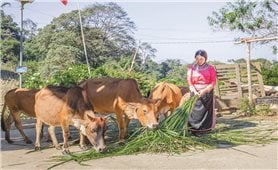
201 78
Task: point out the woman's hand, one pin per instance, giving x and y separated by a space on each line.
202 92
193 90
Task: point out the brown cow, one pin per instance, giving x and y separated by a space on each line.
170 96
60 106
123 97
18 100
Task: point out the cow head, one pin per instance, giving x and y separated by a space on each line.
143 111
94 129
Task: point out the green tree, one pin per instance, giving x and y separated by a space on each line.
270 75
255 18
9 39
108 34
29 29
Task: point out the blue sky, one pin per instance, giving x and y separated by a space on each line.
175 28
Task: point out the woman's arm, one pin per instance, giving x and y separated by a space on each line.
189 80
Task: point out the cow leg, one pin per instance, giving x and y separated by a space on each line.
51 132
18 125
8 124
127 120
65 128
38 135
119 116
82 141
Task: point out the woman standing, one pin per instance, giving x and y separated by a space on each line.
201 78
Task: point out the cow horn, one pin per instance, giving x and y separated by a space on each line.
90 113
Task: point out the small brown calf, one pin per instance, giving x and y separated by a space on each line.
60 106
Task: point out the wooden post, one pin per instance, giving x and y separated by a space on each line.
249 72
239 89
260 79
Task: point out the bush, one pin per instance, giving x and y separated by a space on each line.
263 109
270 75
246 108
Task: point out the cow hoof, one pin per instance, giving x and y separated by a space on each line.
37 148
10 141
84 148
65 152
28 141
58 147
122 142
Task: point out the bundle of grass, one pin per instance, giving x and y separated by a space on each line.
170 137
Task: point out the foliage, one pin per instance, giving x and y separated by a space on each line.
76 73
173 71
270 75
263 109
33 78
246 107
29 29
104 40
9 39
256 18
71 76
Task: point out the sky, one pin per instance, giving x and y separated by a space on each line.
176 29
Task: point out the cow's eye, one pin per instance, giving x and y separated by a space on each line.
94 130
145 111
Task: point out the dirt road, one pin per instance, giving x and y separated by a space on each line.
20 156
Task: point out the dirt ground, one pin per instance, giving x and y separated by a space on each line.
21 156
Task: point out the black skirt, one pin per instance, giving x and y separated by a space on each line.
202 117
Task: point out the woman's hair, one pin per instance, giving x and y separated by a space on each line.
202 53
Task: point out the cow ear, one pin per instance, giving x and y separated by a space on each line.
130 109
85 96
90 115
156 101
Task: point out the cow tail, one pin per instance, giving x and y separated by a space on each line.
3 124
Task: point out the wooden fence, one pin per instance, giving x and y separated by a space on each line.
232 84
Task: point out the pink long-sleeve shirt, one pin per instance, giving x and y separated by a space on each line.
201 76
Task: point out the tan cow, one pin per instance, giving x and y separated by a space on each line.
170 96
123 97
60 106
18 100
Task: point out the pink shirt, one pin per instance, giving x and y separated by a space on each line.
201 76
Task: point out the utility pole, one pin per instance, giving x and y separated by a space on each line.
23 2
83 38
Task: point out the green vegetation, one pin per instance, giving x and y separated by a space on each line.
54 53
246 108
254 18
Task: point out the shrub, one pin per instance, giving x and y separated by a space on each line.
246 108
